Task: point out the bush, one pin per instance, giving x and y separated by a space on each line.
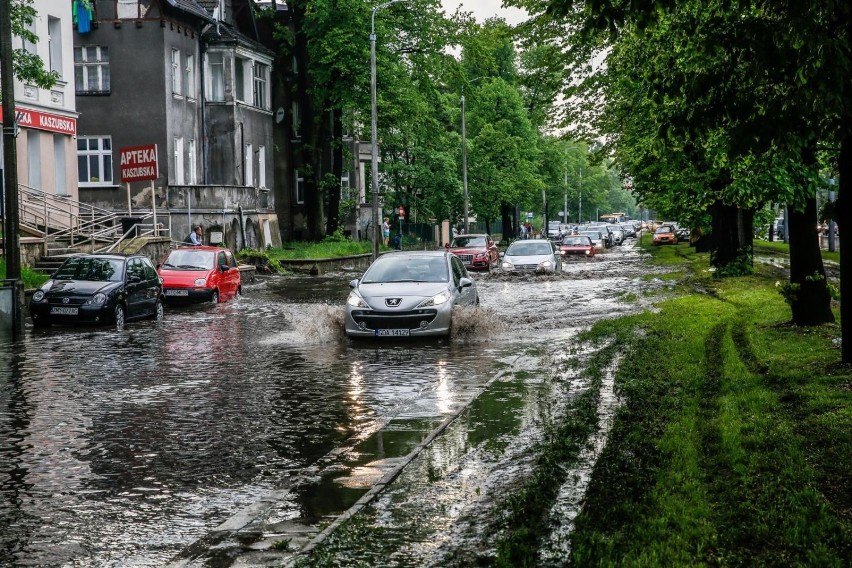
260 260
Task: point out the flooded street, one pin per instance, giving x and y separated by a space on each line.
235 426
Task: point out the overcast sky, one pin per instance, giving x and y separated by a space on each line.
484 9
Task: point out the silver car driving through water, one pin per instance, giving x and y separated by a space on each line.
535 255
408 294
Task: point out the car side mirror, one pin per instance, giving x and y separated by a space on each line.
354 284
465 282
223 267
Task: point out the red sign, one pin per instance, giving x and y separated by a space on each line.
401 212
138 163
44 121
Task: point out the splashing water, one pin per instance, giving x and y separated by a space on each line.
471 322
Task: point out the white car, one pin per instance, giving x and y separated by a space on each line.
408 294
533 255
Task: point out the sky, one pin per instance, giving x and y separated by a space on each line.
484 9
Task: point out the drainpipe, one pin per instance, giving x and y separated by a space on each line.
203 50
242 225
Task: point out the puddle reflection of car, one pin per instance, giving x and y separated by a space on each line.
408 294
665 235
97 289
199 274
534 255
477 252
577 245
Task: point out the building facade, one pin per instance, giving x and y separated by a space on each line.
47 118
183 75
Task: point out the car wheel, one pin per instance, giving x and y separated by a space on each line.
214 299
159 312
118 316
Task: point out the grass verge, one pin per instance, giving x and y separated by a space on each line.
298 250
31 278
733 441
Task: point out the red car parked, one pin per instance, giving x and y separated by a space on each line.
195 274
577 245
477 252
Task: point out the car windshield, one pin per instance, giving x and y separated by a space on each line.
92 269
592 234
663 229
469 242
407 268
575 241
189 259
529 249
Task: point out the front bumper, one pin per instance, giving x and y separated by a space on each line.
175 296
86 314
422 322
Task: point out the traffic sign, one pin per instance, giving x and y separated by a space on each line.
401 212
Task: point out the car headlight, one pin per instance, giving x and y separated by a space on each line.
480 255
38 296
355 301
588 251
508 265
201 282
98 298
546 264
435 300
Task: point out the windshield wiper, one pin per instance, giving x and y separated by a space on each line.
191 267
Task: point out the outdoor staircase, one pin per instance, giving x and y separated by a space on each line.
71 227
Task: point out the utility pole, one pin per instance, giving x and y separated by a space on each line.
11 221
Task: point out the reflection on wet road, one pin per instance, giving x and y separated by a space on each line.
124 448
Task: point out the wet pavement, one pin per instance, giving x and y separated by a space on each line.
237 434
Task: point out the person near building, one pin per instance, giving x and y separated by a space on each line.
196 237
386 231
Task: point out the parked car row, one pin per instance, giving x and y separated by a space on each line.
115 289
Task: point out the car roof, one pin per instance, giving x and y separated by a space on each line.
202 247
430 253
109 256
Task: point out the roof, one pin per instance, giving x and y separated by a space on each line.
225 33
192 7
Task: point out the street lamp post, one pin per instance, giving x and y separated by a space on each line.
464 160
374 171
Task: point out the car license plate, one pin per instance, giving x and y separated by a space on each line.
393 333
177 292
60 311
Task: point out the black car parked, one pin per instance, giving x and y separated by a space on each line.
99 288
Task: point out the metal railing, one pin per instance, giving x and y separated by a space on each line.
60 218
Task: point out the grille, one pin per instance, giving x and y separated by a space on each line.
71 301
526 267
466 258
393 320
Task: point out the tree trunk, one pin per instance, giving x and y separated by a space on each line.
732 239
844 222
506 215
811 305
336 149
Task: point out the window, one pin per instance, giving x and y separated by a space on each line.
261 166
91 69
60 184
29 46
34 159
344 186
249 180
127 9
216 90
261 98
240 79
297 121
94 160
189 77
54 41
193 179
179 173
300 188
176 71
